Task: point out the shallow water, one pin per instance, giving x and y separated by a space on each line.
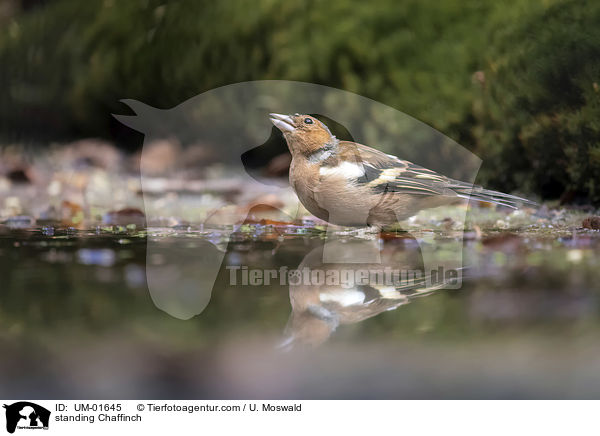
77 318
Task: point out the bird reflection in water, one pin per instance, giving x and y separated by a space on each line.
319 307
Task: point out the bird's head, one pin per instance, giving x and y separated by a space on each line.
304 134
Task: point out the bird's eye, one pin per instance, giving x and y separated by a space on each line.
308 121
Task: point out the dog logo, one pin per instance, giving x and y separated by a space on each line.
231 121
26 415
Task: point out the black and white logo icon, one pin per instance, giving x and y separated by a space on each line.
26 415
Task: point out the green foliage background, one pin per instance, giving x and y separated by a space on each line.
515 81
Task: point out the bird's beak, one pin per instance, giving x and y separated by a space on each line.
283 122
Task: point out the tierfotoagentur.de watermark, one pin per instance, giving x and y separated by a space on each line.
344 278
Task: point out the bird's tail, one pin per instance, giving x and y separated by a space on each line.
478 193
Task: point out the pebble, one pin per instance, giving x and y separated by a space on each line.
124 217
592 222
48 231
20 222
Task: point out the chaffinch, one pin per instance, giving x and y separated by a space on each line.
350 184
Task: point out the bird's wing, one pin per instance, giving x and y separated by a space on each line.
381 298
384 173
